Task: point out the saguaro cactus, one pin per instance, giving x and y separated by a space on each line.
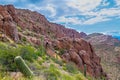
22 66
85 68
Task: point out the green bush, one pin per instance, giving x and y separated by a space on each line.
60 62
8 52
28 53
71 67
67 77
80 77
52 73
62 51
7 55
41 49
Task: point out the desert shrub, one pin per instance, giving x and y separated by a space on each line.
79 77
41 49
102 78
24 39
28 53
9 52
62 51
52 73
5 76
7 55
90 78
60 62
67 77
71 67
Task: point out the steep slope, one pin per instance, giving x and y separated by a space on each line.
7 22
98 38
37 23
108 48
27 27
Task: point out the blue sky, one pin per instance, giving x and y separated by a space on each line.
89 16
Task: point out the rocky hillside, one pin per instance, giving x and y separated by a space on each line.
98 38
108 48
27 27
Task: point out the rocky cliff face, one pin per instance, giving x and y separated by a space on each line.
81 53
7 22
24 25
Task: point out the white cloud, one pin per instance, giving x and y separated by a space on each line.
110 12
104 12
50 8
118 2
84 5
105 3
86 8
93 17
101 15
33 7
114 33
73 20
95 20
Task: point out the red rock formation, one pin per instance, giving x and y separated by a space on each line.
7 24
83 35
38 23
80 52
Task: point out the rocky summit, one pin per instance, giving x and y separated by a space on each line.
24 26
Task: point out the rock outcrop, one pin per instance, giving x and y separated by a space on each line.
7 22
81 53
28 26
